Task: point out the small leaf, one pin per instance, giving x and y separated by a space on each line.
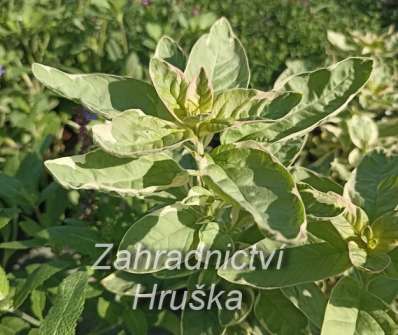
4 284
222 56
385 232
38 303
199 95
168 50
68 305
373 186
35 279
129 284
171 86
363 131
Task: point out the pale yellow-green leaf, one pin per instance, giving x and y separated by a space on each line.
171 86
363 131
250 177
100 171
222 56
4 284
169 228
104 94
169 50
133 133
352 310
325 93
374 184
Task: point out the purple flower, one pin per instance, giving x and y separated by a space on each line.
88 116
145 2
2 71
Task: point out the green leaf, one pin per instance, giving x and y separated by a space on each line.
6 215
171 86
222 56
364 260
363 131
385 232
211 126
302 264
133 133
167 229
250 177
309 299
168 50
38 303
287 151
228 318
135 322
68 305
212 237
169 321
321 204
4 284
199 95
271 308
104 94
21 245
204 322
352 311
11 326
340 41
35 279
384 288
373 186
129 284
13 192
81 239
249 104
325 93
317 181
98 170
335 230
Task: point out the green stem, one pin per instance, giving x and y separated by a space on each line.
28 318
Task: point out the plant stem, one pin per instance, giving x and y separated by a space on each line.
28 318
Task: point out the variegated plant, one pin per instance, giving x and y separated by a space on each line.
216 156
